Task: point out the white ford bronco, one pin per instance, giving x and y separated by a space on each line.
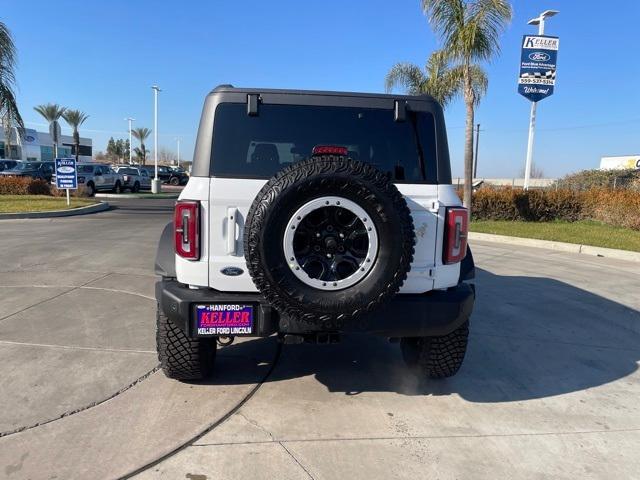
309 215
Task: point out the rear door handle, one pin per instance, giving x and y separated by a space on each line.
232 221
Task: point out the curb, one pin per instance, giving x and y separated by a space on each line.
143 195
559 246
98 207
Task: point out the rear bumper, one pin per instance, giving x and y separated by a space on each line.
431 314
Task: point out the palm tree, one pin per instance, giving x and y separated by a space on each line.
141 134
74 119
9 113
469 31
11 119
52 113
439 79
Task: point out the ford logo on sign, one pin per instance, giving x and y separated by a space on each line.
66 169
232 271
539 57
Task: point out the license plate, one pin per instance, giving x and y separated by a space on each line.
224 319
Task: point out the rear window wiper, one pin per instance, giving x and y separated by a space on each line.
414 128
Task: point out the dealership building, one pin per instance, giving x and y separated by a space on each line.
38 146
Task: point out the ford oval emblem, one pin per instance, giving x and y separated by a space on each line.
539 57
232 271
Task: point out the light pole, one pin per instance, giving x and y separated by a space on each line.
129 119
155 185
178 142
532 118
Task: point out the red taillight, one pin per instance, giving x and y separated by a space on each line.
455 235
186 228
329 150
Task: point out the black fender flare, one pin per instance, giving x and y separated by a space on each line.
467 267
165 264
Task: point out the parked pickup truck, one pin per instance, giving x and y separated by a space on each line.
38 170
98 177
134 179
168 175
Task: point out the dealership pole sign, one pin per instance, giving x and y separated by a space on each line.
538 66
66 174
537 75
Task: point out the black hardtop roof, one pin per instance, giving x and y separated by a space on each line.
202 158
232 89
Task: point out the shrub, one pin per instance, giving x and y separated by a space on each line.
545 206
30 186
613 207
81 191
588 179
495 204
23 186
530 205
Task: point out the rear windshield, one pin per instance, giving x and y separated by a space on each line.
259 146
128 171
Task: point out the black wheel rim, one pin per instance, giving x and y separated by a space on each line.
330 244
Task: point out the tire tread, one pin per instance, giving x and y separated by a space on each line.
437 357
286 179
181 357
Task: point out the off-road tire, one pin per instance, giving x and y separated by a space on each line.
136 187
181 357
300 183
436 357
91 189
117 188
175 181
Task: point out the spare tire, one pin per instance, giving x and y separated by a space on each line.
328 239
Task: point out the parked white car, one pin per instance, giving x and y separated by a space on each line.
134 178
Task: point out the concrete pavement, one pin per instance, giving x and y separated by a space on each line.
549 387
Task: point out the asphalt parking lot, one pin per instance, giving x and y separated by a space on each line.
549 387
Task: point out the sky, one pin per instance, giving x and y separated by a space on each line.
102 57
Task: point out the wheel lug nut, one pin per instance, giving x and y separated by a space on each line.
329 255
341 235
317 235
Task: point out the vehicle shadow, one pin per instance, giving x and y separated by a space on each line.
530 338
